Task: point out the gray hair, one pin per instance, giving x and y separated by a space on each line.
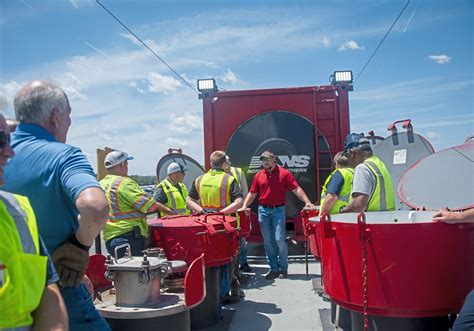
35 102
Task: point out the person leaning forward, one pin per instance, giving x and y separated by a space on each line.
218 191
129 205
271 184
29 295
171 191
372 188
70 207
336 190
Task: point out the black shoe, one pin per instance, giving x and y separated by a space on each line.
230 299
272 275
237 292
283 274
245 267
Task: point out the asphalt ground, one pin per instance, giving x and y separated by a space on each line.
278 304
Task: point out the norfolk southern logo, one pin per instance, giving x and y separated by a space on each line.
293 163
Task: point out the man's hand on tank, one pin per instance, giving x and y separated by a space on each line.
309 205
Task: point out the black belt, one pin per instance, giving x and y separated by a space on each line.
272 207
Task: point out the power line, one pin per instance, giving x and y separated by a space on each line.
147 47
381 42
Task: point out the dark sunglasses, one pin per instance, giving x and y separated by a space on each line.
4 139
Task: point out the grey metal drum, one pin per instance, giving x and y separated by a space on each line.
193 168
444 179
399 152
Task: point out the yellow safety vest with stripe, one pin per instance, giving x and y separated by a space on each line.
238 175
22 269
128 204
214 189
382 197
345 194
174 199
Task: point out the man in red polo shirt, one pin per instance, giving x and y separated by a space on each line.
271 184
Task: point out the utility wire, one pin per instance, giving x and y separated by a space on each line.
147 47
381 42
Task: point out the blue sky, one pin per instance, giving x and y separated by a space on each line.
124 98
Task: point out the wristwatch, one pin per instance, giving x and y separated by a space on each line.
73 240
340 209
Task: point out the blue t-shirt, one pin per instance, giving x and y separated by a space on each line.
51 275
335 183
51 174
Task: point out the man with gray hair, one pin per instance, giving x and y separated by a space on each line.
372 188
70 206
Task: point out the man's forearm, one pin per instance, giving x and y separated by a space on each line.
93 213
329 202
232 208
161 207
51 313
301 195
193 205
249 199
357 205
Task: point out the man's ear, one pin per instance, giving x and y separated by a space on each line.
54 119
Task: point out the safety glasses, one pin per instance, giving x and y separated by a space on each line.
4 139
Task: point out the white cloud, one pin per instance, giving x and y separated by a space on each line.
409 21
350 45
162 84
186 123
440 59
74 3
172 142
230 77
326 41
136 87
432 135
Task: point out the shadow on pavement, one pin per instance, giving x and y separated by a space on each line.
325 315
254 318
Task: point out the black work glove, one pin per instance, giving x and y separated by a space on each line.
70 262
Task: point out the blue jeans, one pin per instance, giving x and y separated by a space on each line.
273 228
225 285
81 310
137 244
465 320
243 251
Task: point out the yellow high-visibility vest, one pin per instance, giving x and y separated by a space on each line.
175 199
344 196
214 189
383 196
128 204
22 269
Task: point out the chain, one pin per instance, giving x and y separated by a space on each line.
365 281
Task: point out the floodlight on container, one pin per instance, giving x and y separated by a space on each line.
341 77
206 85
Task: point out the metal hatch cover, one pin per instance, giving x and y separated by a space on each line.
444 179
194 169
399 152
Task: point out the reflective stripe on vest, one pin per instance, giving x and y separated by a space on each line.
213 188
345 194
173 194
117 214
19 216
382 197
237 173
24 270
